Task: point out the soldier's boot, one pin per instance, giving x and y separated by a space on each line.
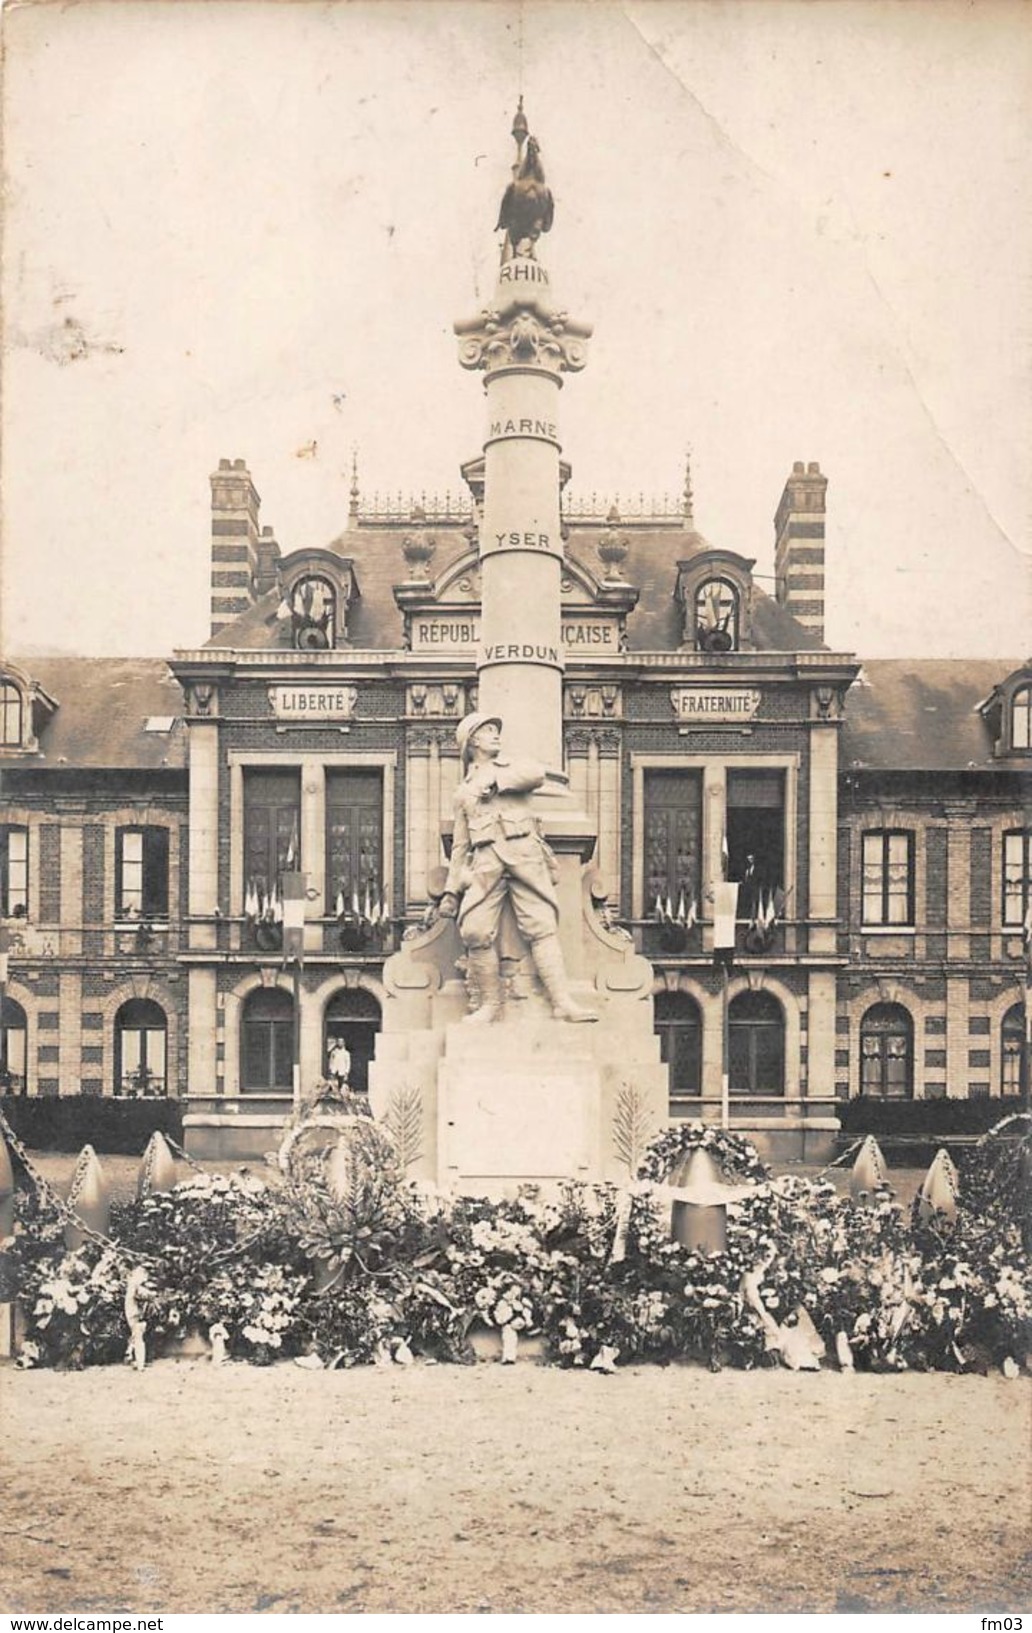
486 976
548 961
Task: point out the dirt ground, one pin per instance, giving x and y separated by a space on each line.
490 1488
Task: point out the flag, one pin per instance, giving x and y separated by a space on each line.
658 910
693 914
252 906
365 908
291 859
669 910
356 910
374 914
339 904
682 915
725 856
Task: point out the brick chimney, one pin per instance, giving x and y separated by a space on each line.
234 542
799 547
267 574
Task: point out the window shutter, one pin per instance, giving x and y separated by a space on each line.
155 872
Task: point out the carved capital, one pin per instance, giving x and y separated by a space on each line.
551 340
202 700
825 703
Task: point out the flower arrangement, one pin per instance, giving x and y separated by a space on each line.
343 1261
735 1156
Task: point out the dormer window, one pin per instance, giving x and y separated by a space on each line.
714 594
1021 718
11 711
716 616
313 611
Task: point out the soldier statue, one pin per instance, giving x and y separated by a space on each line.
499 855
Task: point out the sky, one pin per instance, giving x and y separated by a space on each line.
244 229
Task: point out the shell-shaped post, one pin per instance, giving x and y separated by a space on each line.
6 1192
869 1173
939 1191
157 1171
89 1200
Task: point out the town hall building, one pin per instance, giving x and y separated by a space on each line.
876 815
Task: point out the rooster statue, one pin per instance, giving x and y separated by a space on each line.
527 207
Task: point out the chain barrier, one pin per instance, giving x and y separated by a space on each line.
61 1207
68 1215
1012 1117
837 1162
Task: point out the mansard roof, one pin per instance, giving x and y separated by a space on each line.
102 714
375 621
921 714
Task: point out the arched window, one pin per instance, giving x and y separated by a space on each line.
352 1017
756 1037
140 1048
1012 1040
267 1042
1021 718
313 609
12 1048
887 1053
10 715
716 616
679 1029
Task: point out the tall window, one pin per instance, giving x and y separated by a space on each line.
887 1053
1017 876
272 824
888 877
1021 718
679 1028
141 873
716 616
354 838
12 1048
673 823
10 715
267 1042
14 872
352 1018
756 835
756 1038
1012 1042
140 1048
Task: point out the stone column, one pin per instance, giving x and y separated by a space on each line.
202 1075
203 889
72 909
823 902
70 1033
524 346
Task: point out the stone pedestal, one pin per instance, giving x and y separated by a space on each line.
526 1099
517 1100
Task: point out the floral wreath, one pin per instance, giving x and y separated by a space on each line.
735 1156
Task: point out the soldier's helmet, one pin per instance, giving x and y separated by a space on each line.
466 728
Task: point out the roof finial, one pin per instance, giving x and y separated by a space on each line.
353 506
689 503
